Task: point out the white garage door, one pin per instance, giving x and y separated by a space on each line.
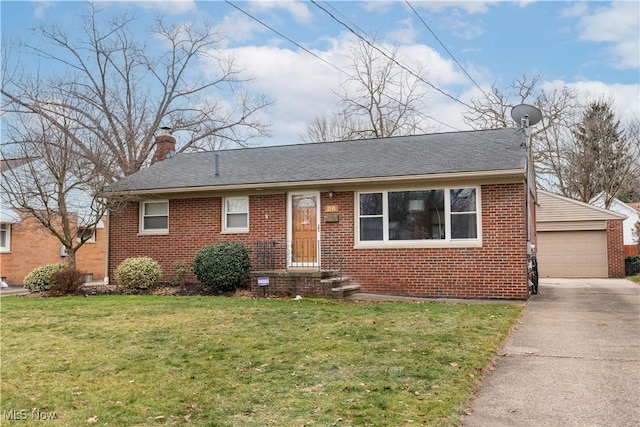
572 253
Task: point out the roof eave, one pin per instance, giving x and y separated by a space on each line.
478 177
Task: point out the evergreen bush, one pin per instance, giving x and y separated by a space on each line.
39 279
137 273
223 267
632 265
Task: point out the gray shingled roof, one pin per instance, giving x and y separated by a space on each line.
403 156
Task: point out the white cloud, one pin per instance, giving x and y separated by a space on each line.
462 28
174 7
624 97
238 27
303 86
618 25
298 10
576 10
41 7
468 7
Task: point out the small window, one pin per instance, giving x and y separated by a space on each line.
87 235
154 217
371 220
5 237
463 213
236 214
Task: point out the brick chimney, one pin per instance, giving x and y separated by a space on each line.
165 146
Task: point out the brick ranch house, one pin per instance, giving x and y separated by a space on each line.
437 215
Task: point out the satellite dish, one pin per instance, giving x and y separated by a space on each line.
529 112
170 154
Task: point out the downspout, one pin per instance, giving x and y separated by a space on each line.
108 230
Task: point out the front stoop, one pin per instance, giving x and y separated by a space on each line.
345 291
324 283
340 286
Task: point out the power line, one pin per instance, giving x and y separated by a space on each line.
336 67
392 58
286 38
445 48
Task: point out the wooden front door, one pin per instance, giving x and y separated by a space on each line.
304 229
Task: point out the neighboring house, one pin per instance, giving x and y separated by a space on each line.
26 244
632 214
576 239
439 215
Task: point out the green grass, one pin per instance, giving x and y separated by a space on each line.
215 361
635 278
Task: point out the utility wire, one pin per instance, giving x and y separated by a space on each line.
445 48
334 66
392 58
286 38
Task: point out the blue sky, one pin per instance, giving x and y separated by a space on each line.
592 47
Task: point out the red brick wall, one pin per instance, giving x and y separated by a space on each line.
496 270
33 246
615 248
193 224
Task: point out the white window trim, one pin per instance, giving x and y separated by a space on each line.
435 243
155 231
234 230
7 248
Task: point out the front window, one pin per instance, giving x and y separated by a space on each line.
446 214
5 237
236 214
154 216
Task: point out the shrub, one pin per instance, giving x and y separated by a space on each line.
223 267
632 265
39 279
137 273
181 271
66 282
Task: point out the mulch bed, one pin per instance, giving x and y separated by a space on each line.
188 289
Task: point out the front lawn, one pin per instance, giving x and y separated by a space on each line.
156 360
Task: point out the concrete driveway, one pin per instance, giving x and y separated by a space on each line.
573 360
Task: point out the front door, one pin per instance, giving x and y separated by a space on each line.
304 226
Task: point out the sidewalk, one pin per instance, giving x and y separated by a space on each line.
573 360
13 290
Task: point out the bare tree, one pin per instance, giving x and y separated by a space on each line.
549 137
635 233
51 183
630 191
122 91
380 99
494 110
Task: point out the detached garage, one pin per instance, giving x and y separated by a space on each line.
575 239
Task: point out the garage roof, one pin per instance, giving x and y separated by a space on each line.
556 208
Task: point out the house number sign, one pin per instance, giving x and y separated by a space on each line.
331 208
